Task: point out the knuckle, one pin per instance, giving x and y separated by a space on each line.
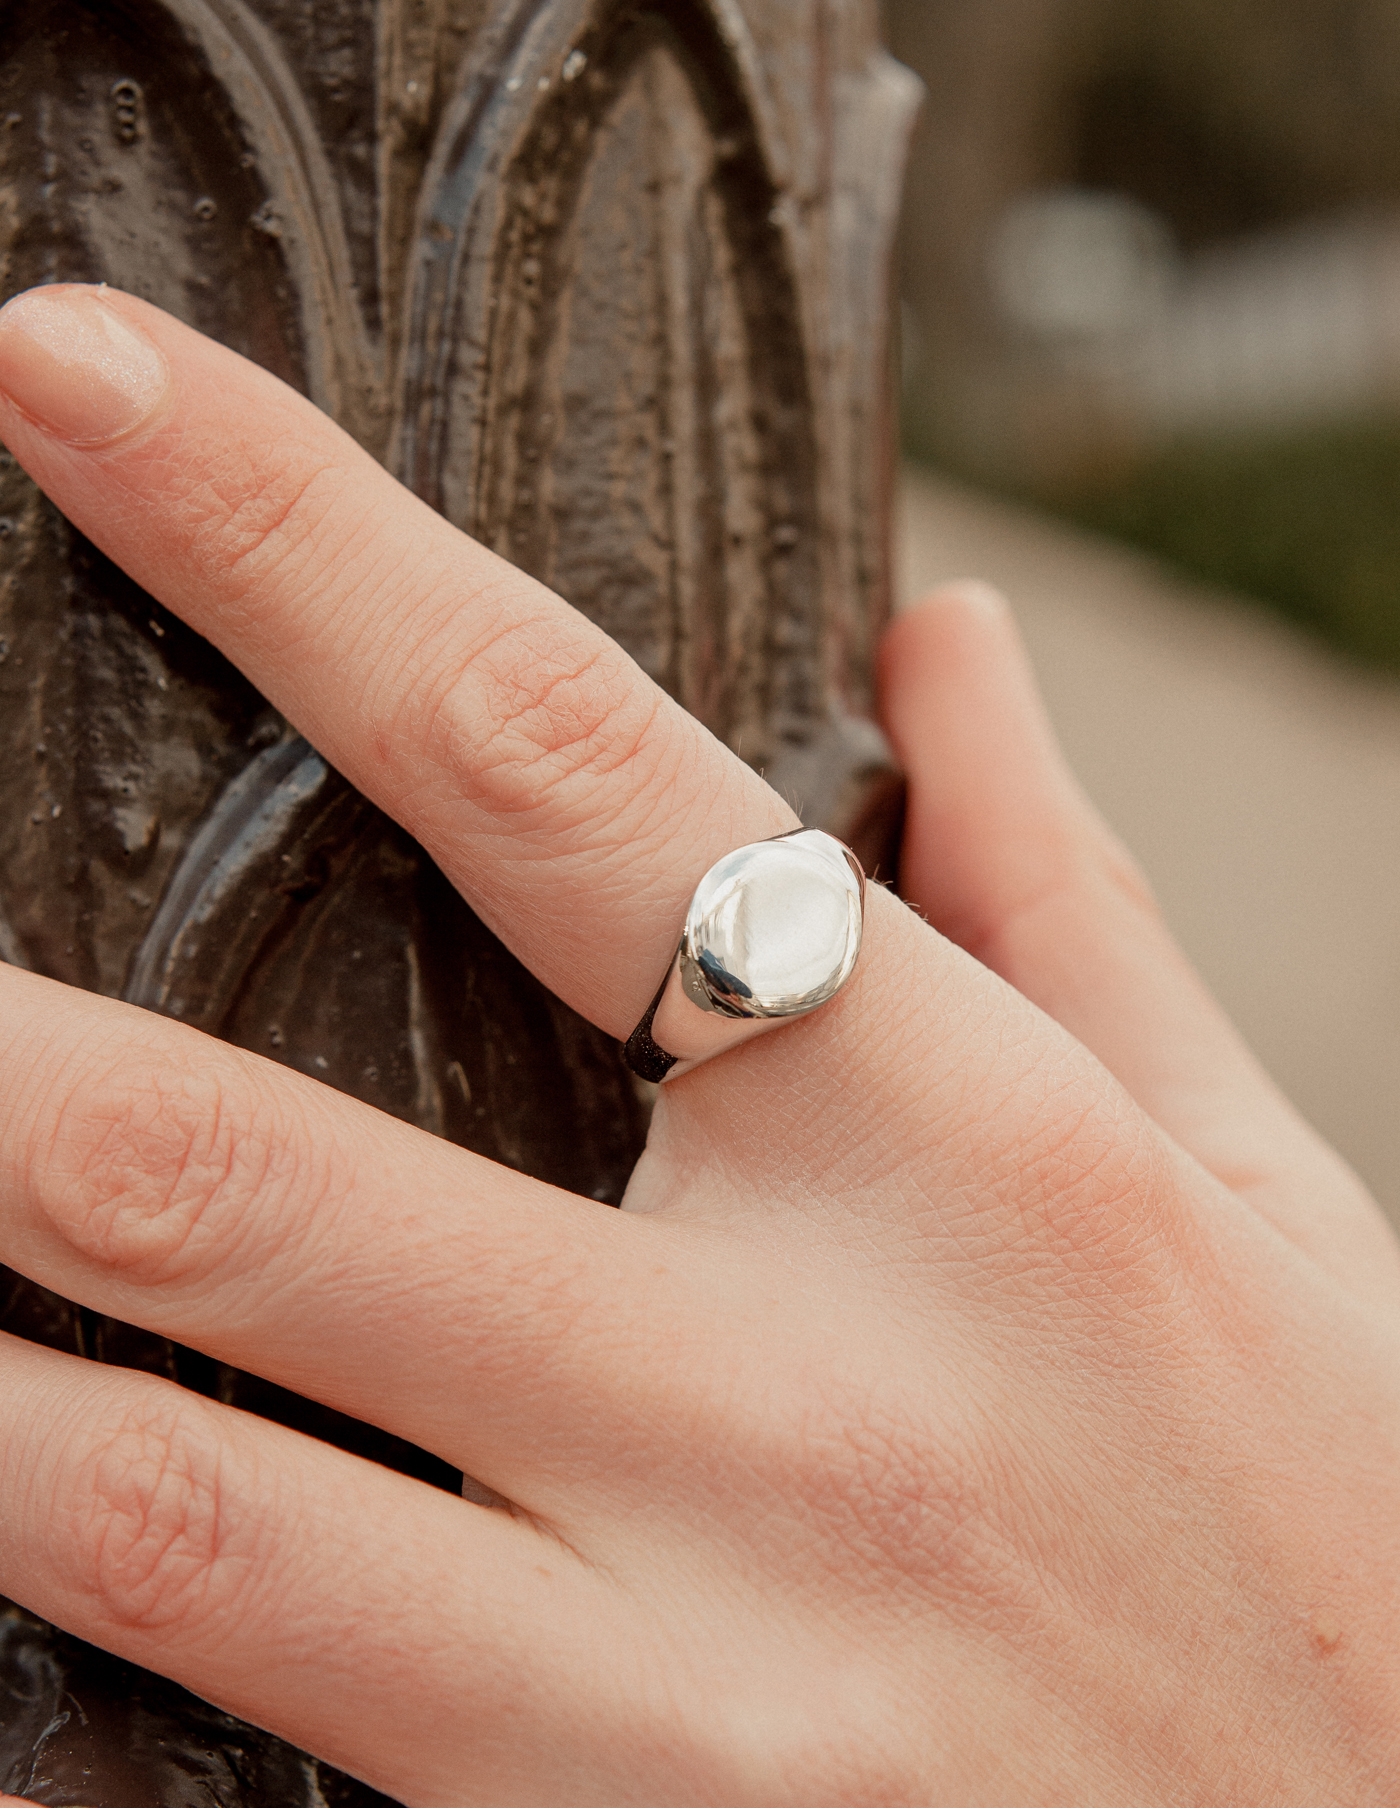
539 719
1097 1199
1124 875
902 1500
913 1502
151 1536
151 1170
1078 868
259 514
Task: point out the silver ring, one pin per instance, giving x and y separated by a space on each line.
772 932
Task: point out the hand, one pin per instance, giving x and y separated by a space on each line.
990 1396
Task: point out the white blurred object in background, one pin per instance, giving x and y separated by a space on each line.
1076 268
1289 328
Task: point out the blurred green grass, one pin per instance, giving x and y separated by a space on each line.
1307 521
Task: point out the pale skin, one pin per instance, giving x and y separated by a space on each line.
991 1394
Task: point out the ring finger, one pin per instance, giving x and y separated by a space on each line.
446 1653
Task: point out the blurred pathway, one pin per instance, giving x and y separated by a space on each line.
1256 779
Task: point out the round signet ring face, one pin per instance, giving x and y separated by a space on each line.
773 932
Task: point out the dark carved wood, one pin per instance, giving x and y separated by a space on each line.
604 280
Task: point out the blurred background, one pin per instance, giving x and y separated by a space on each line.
1150 321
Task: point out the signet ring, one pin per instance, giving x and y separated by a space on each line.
773 932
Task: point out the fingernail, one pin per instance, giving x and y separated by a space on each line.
986 599
72 364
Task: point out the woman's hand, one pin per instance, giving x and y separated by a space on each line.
991 1396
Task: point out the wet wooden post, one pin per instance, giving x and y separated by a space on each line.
604 281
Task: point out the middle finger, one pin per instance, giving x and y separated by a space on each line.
211 1196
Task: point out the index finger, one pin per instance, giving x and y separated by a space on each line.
570 800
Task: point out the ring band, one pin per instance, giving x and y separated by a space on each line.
772 932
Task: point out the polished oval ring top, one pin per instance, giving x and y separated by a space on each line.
774 928
772 932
